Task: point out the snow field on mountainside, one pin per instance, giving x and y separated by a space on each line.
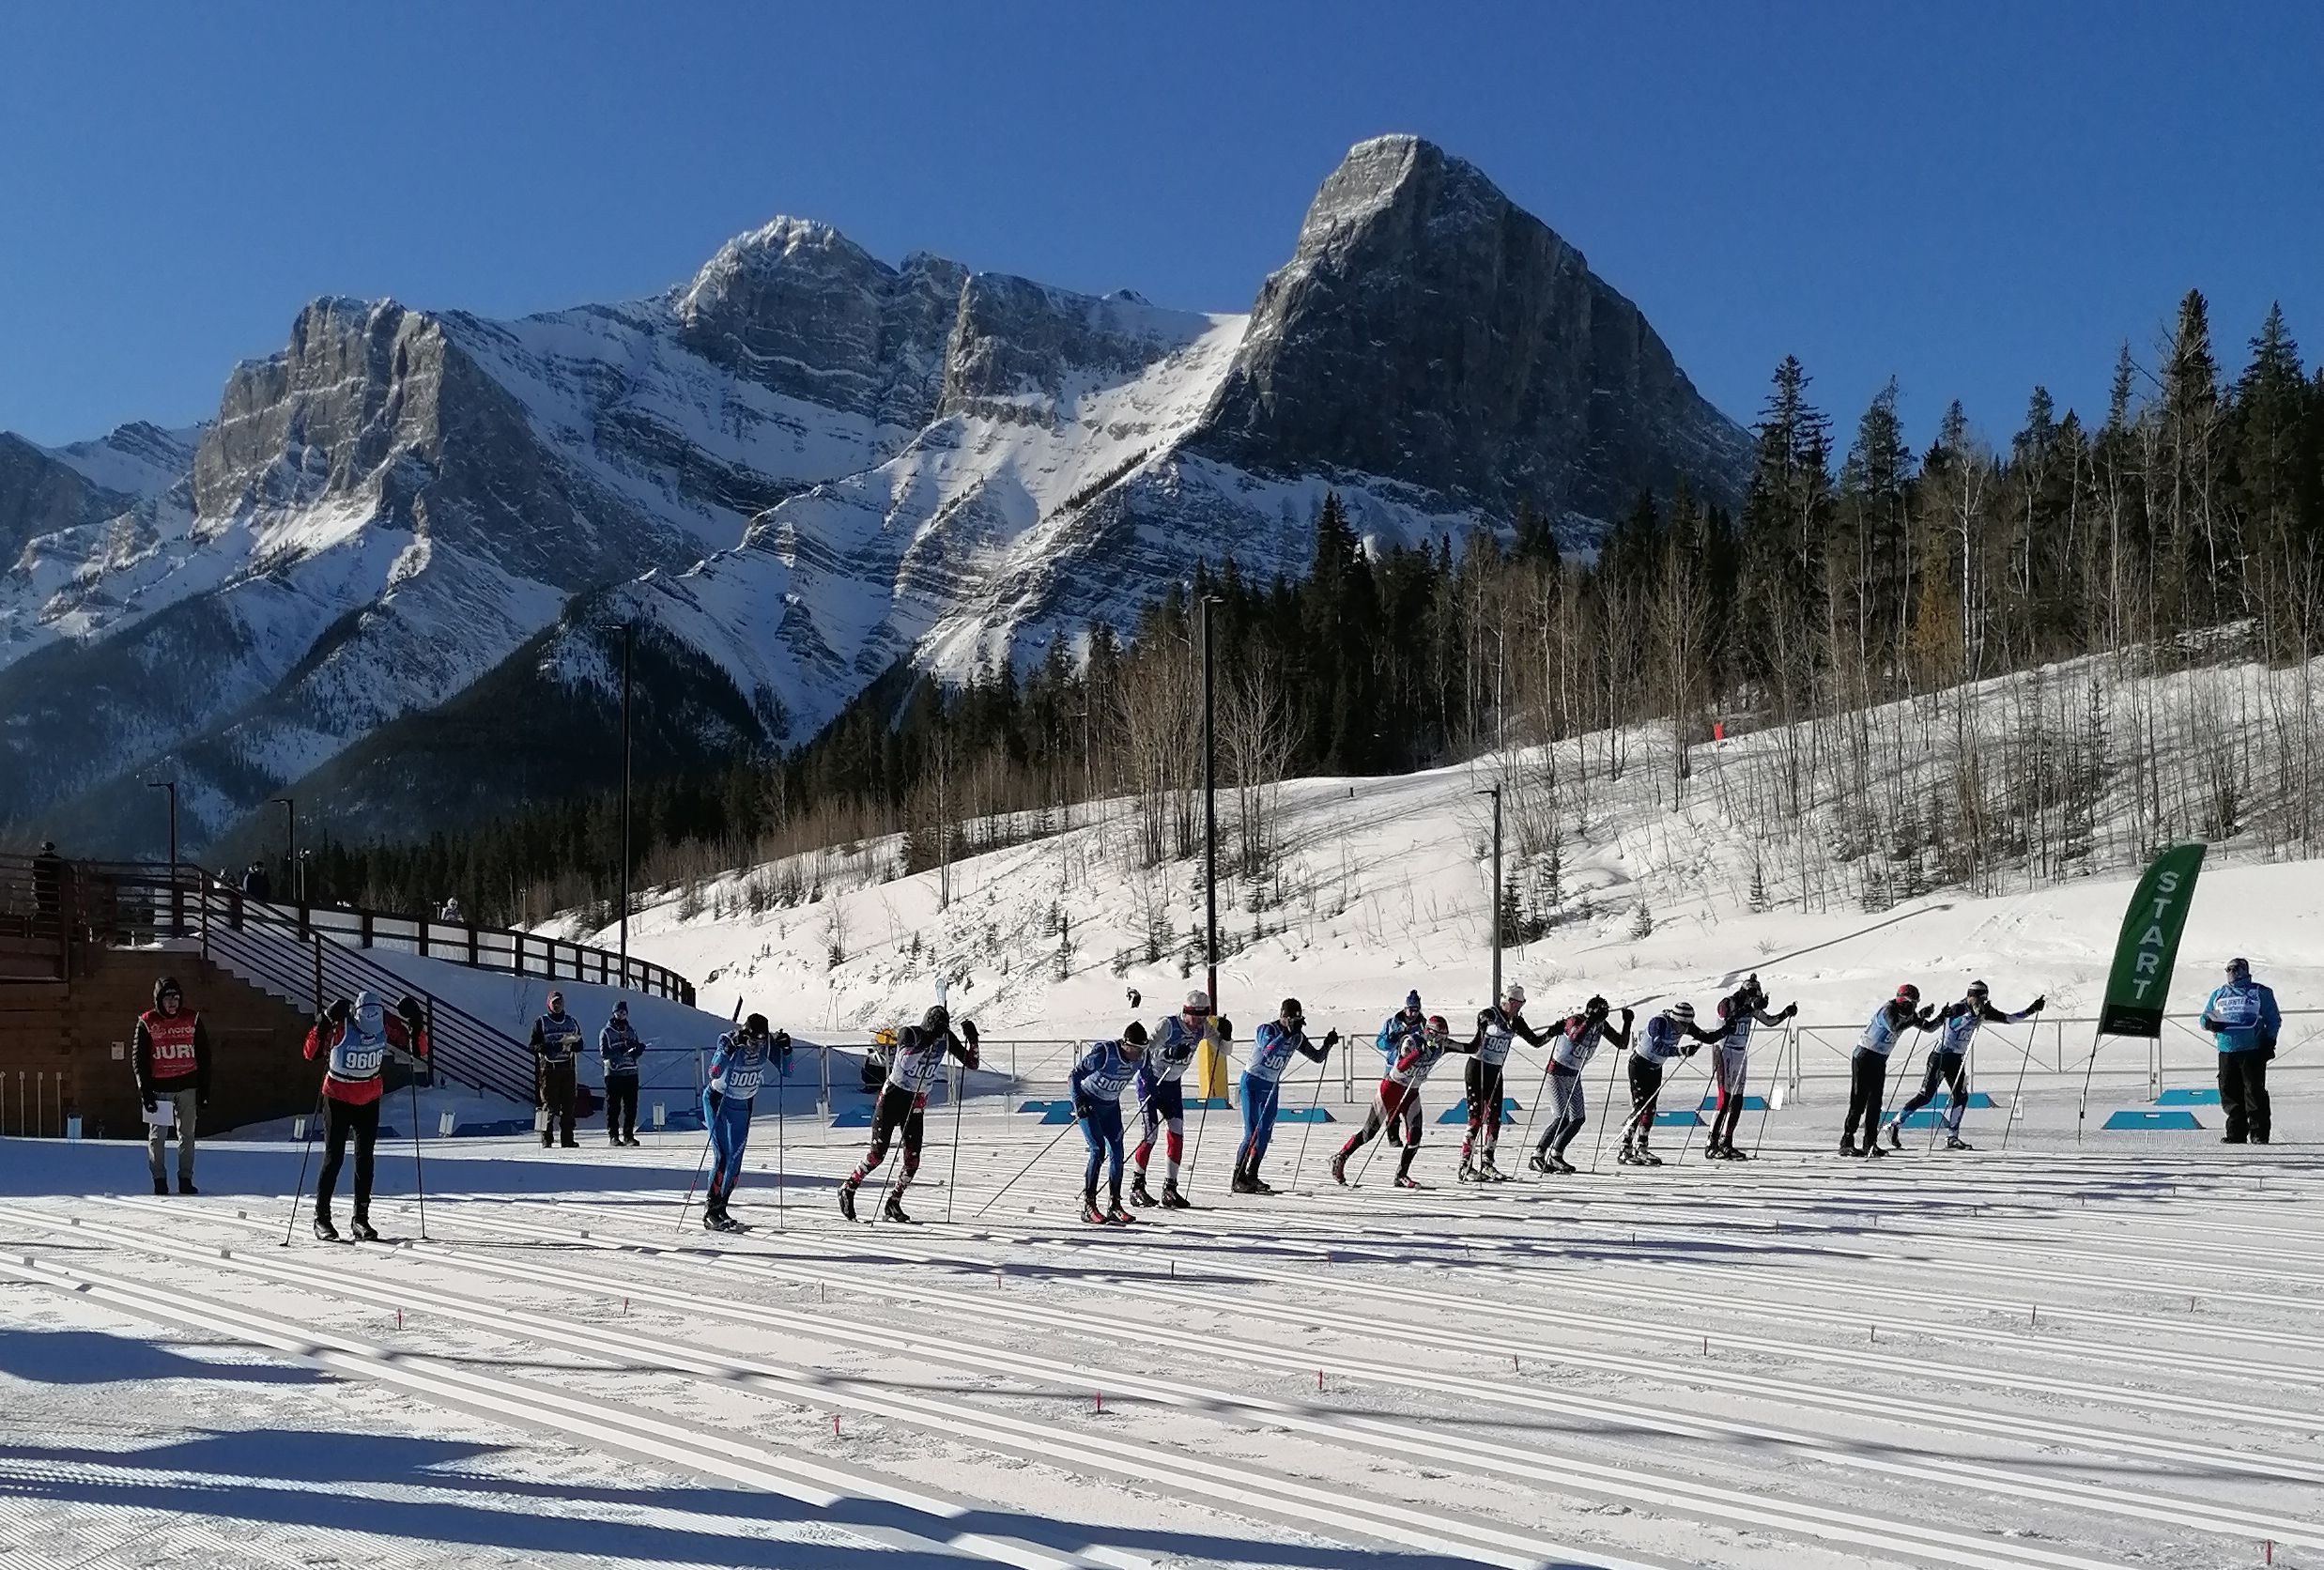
2048 1359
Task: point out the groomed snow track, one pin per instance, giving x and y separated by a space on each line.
1997 1362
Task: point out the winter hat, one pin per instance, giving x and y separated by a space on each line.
621 1009
1977 989
937 1020
1437 1026
1596 1005
1513 994
1412 1002
1291 1009
2239 969
1133 1034
1199 1002
1908 993
369 1017
756 1024
167 987
556 1002
1682 1012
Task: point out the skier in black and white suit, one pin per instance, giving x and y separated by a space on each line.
1570 1050
1948 1062
1746 1006
919 1057
1497 1030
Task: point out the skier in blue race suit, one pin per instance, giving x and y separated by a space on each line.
1262 1086
2244 1021
736 1068
1105 1071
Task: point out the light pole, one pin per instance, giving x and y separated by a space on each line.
177 922
629 640
290 838
1209 813
1495 794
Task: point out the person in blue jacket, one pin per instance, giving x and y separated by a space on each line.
1105 1071
1868 1067
2244 1021
739 1062
1271 1052
1948 1062
619 1053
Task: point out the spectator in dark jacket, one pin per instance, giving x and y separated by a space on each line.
557 1041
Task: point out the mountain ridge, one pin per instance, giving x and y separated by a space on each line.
800 467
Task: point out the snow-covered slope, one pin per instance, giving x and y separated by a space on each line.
796 469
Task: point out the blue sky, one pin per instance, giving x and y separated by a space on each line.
1969 198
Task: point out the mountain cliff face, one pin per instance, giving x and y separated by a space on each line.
795 470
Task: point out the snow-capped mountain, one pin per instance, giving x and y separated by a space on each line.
792 471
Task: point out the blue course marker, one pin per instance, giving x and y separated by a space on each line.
1459 1112
1677 1120
2143 1122
2189 1097
1750 1103
856 1117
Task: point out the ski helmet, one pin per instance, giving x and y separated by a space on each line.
935 1022
1684 1013
1596 1005
1437 1026
755 1025
167 987
1908 993
1134 1035
1978 991
2239 969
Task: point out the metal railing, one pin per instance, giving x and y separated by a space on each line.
46 903
308 969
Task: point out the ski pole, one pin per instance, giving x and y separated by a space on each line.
1313 1102
1605 1115
418 1172
2083 1111
1201 1115
1388 1128
1767 1102
1525 1138
952 1183
300 1193
707 1138
782 1109
2016 1097
1037 1161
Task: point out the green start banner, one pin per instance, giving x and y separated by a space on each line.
2148 948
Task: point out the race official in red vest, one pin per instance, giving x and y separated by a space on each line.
172 1063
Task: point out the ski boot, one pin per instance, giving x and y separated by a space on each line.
1848 1146
847 1200
188 1188
1488 1173
1091 1215
714 1219
1468 1173
1138 1195
1171 1199
1628 1157
1539 1163
1954 1142
1735 1155
362 1231
160 1185
324 1231
894 1210
1339 1169
1563 1167
1894 1129
1243 1183
1119 1217
1405 1181
1646 1157
1873 1149
1259 1184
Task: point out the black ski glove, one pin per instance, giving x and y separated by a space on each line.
2037 1005
1084 1111
1689 1049
337 1013
150 1103
968 1031
1226 1028
1791 1010
782 1041
1331 1040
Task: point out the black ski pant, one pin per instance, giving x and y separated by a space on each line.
343 1118
899 1108
621 1107
2244 1094
1645 1090
1951 1068
1728 1068
554 1083
1397 1105
1484 1085
1868 1082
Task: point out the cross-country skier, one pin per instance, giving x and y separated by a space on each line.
912 1066
2244 1021
1868 1068
1097 1082
619 1053
1161 1097
1738 1011
1570 1051
741 1060
356 1039
1667 1037
1948 1062
1498 1029
1398 1102
1262 1088
556 1043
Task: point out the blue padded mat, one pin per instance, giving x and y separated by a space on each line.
1459 1112
2143 1122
